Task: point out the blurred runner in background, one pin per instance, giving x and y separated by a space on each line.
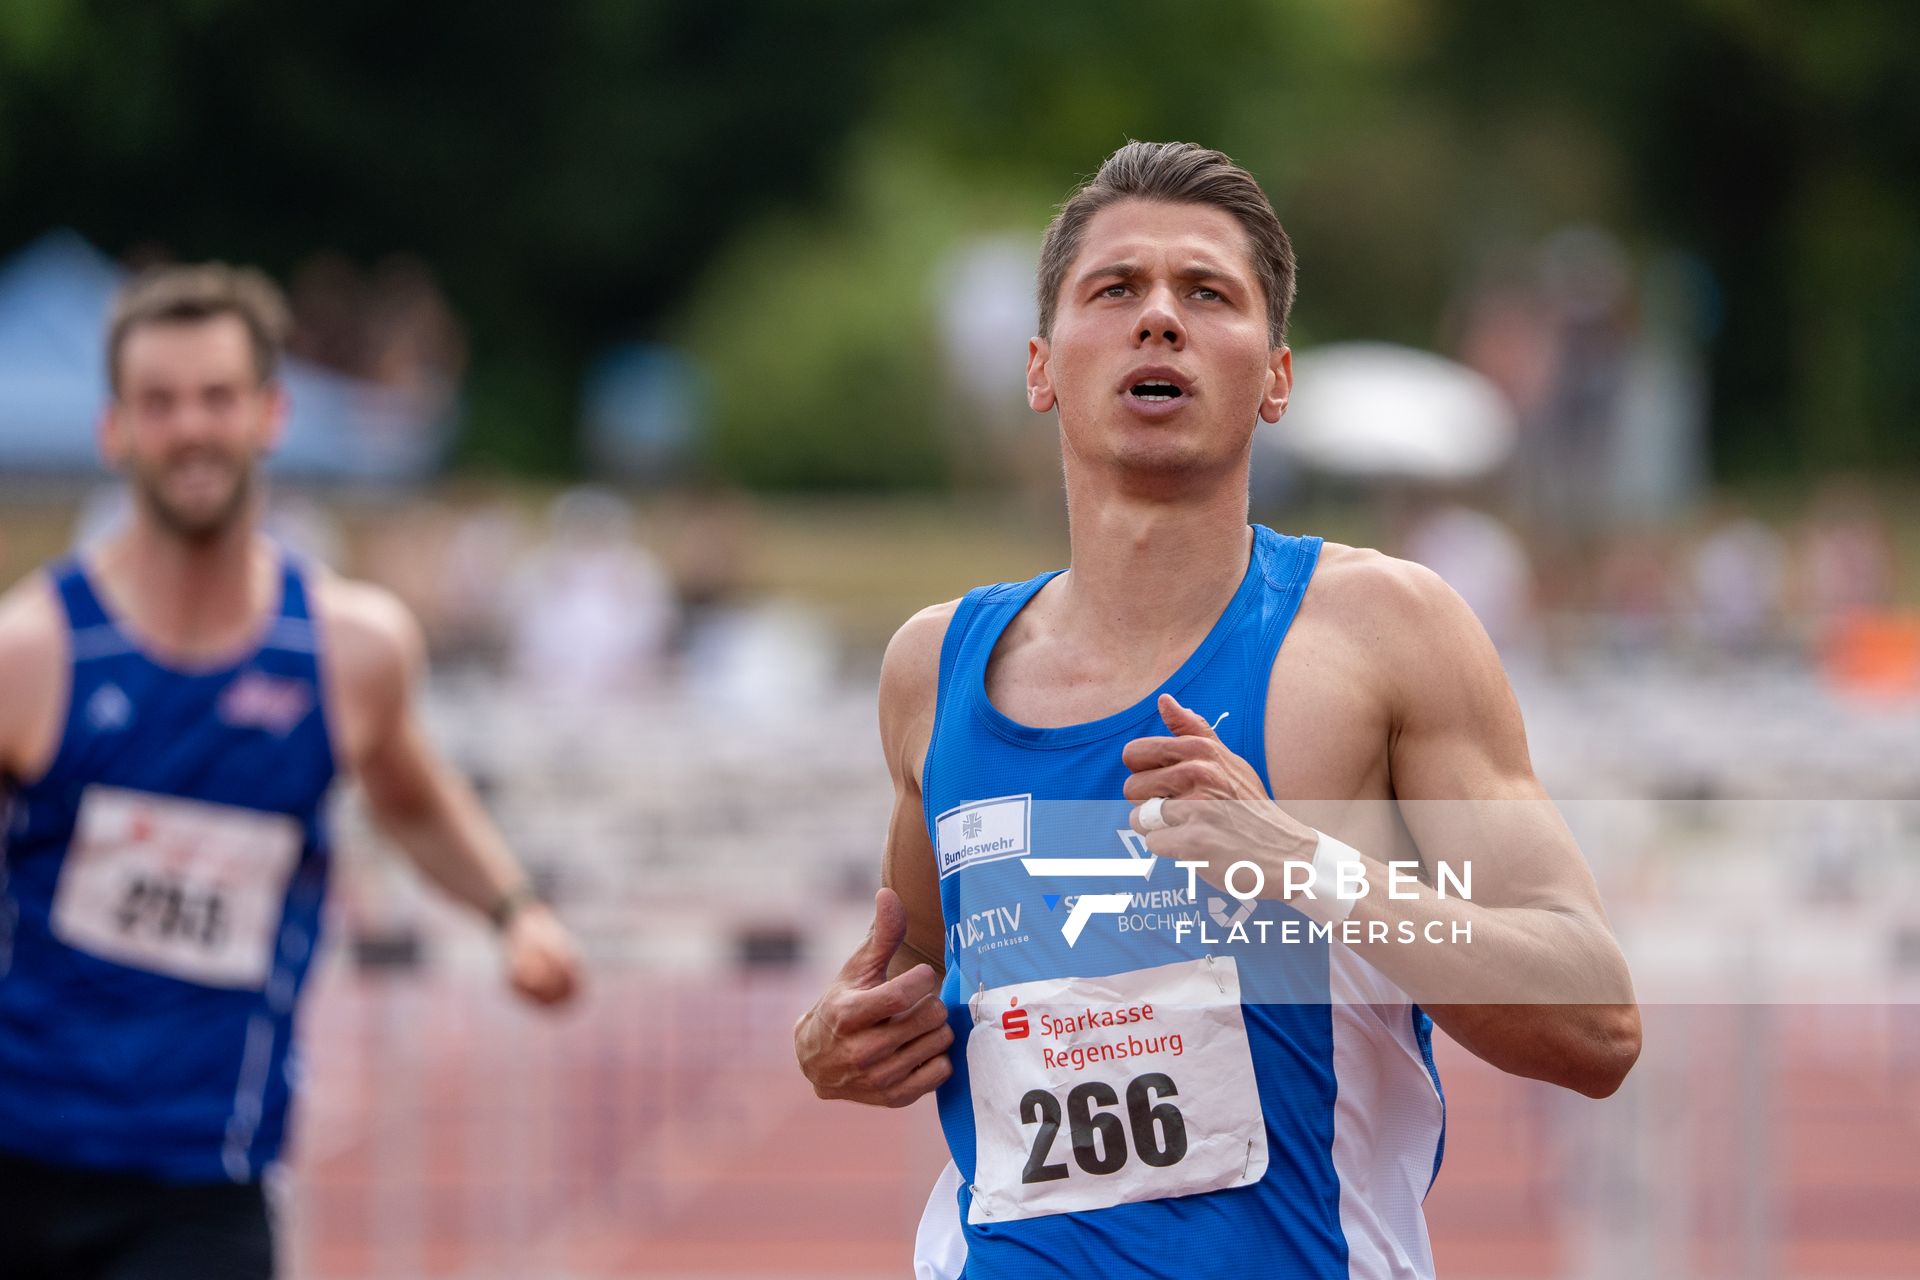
174 708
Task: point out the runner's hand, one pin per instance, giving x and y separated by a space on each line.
1214 806
543 965
874 1039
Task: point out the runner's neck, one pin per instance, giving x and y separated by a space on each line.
185 600
1149 570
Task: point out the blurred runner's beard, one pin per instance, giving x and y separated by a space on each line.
186 526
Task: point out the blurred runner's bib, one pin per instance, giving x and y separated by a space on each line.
184 888
1094 1092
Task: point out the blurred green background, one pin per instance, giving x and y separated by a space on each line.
764 185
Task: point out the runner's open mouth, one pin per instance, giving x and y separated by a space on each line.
1155 389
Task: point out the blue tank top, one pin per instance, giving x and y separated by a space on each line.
1343 1175
163 885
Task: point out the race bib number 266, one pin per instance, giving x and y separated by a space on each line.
1093 1092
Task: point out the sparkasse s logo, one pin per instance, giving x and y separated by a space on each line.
1014 1023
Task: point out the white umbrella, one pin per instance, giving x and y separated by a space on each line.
1375 410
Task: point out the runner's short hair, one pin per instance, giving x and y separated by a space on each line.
177 294
1179 173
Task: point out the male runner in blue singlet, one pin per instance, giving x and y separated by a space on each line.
174 707
1150 1061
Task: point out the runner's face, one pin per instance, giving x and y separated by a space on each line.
190 422
1160 293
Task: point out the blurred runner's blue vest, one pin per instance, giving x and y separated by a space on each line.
163 886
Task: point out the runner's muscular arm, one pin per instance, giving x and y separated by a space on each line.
379 658
1541 988
1553 999
879 1032
376 659
909 680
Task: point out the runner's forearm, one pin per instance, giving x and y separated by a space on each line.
1536 991
445 832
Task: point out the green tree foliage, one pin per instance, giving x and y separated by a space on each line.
771 183
821 334
566 167
1779 140
1404 140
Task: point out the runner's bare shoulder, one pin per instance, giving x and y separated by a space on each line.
909 681
372 650
31 624
1402 613
1366 583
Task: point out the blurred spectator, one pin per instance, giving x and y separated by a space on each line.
1843 554
763 659
642 404
391 327
414 343
1502 332
983 297
591 610
1608 379
1481 558
1589 298
1737 577
1658 462
711 553
466 603
327 296
1635 591
767 660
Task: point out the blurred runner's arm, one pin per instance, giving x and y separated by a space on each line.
879 1033
376 659
33 680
